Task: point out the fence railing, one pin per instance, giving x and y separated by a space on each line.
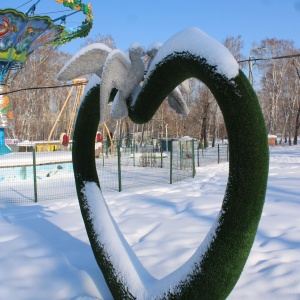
212 155
136 165
33 176
37 176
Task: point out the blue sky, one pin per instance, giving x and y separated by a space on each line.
157 20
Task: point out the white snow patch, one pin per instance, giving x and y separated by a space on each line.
45 251
154 47
93 81
197 42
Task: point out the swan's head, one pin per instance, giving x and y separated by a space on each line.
136 50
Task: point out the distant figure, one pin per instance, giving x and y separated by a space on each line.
98 144
64 140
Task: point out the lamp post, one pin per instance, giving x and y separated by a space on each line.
250 69
251 63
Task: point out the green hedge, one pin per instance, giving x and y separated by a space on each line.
219 268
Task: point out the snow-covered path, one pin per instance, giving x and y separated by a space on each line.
45 252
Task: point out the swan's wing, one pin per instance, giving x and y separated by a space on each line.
115 74
88 60
176 101
117 65
133 75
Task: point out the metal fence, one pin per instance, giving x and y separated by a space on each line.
36 176
32 176
212 155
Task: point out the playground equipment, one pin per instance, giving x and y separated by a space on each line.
6 117
79 84
22 33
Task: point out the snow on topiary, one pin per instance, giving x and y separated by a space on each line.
215 267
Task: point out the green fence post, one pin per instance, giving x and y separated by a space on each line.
34 174
133 153
102 149
171 165
193 158
152 157
198 153
119 167
227 152
180 155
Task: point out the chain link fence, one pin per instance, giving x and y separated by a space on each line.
36 176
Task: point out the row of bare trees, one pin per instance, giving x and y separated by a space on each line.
36 108
279 87
276 80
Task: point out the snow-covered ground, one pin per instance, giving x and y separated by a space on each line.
45 253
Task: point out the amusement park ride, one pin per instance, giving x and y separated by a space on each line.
79 90
22 33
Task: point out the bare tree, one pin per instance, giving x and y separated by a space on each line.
35 109
278 92
235 46
104 39
279 87
297 120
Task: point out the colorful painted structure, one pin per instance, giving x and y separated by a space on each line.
22 33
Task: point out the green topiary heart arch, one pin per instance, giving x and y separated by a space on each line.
214 269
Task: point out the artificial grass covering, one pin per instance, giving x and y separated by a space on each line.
219 268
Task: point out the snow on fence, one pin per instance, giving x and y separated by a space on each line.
36 176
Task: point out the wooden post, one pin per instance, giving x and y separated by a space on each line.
79 93
78 96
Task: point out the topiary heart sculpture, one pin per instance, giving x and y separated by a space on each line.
214 269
